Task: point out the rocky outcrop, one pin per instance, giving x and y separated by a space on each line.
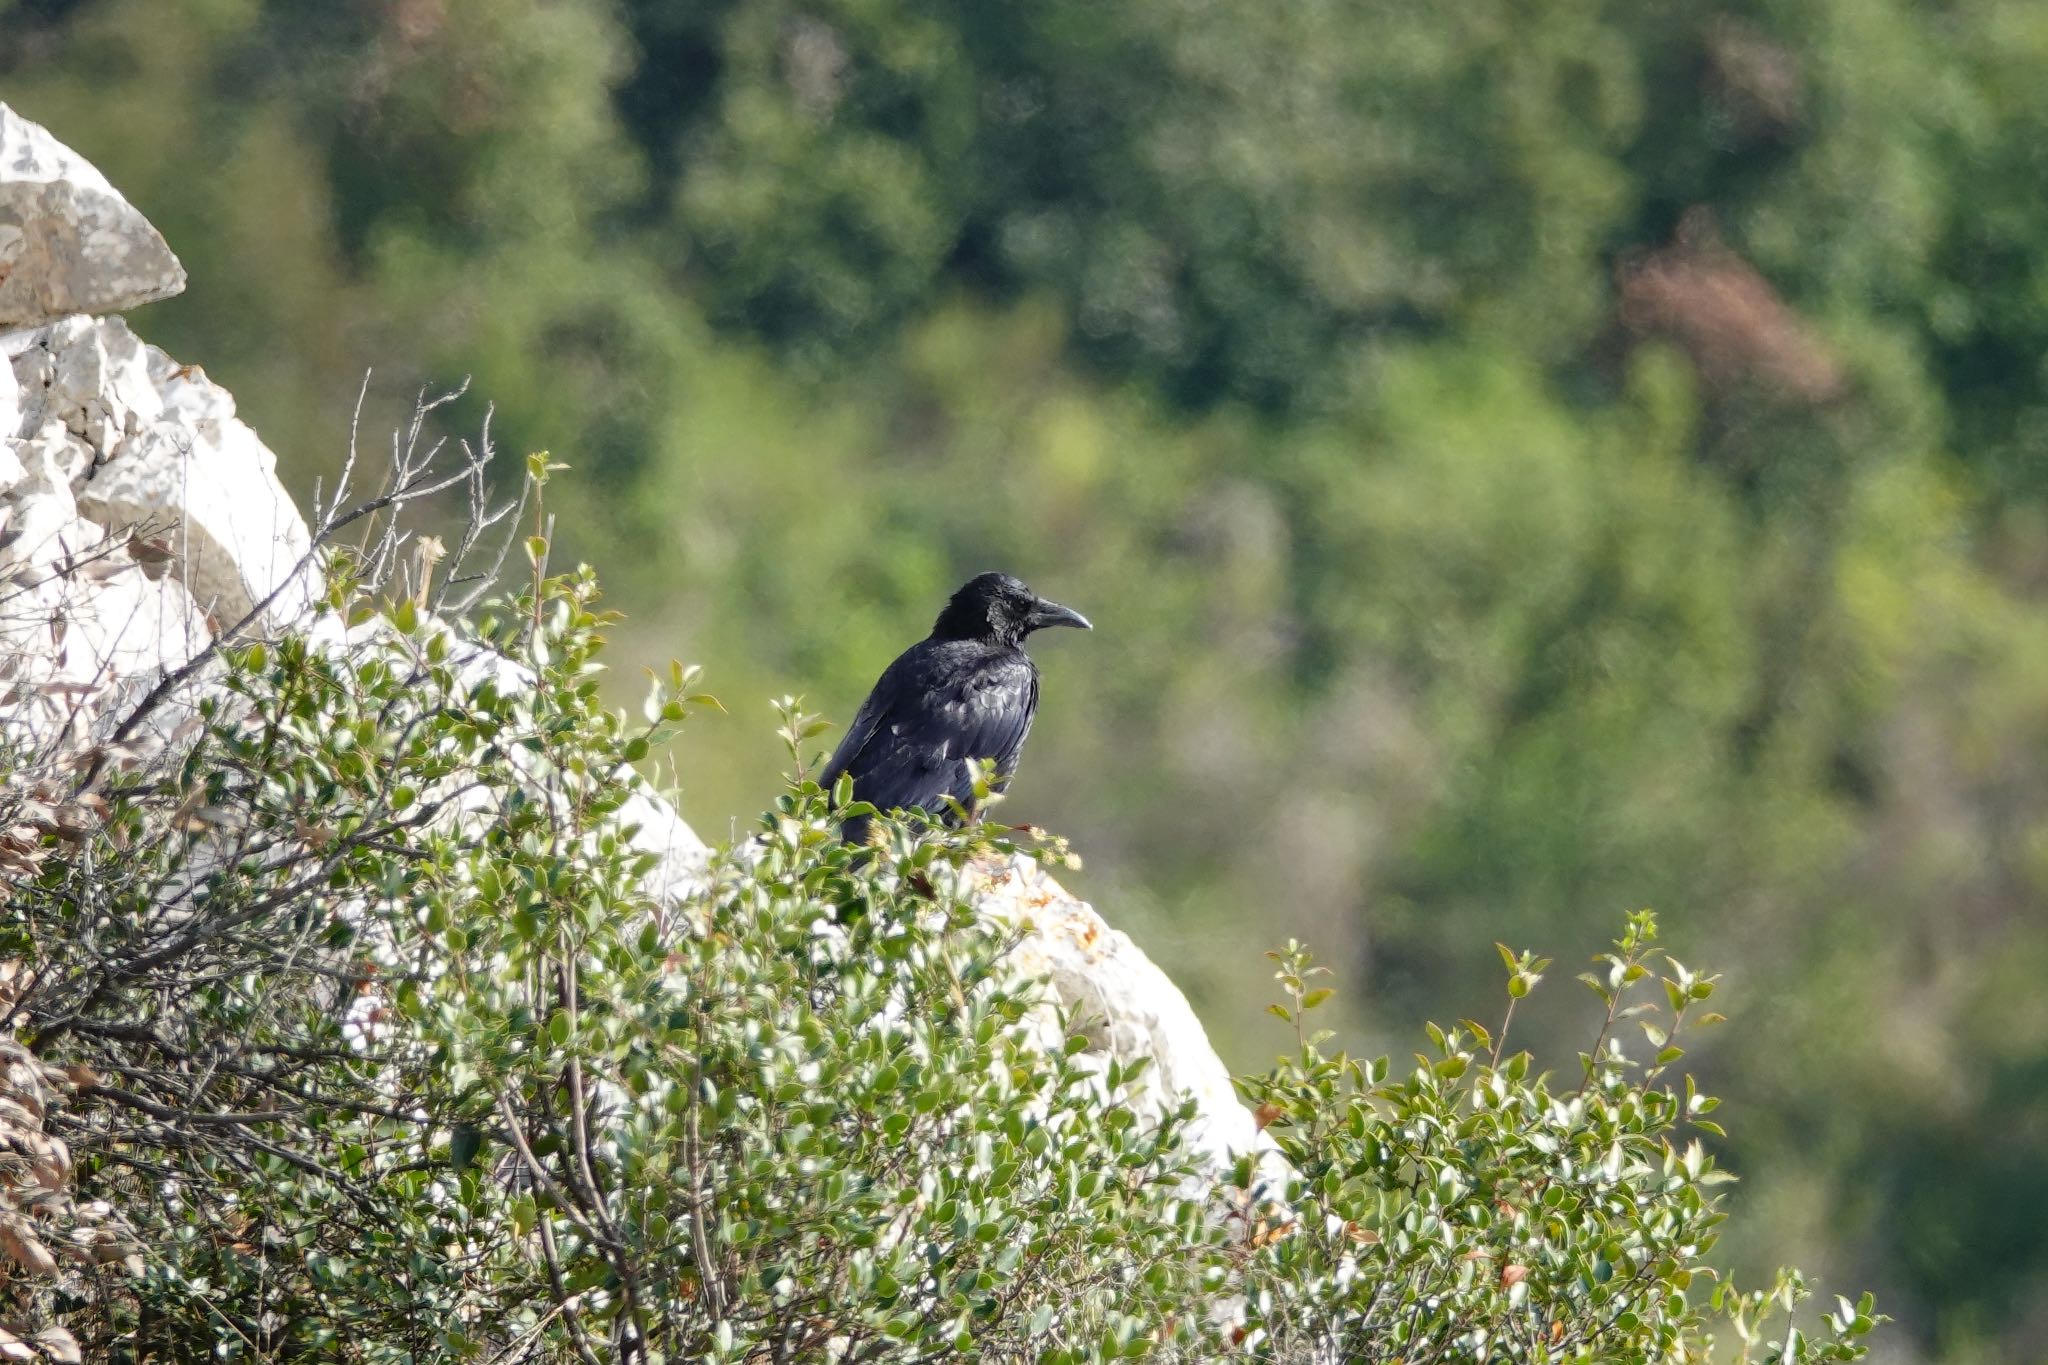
140 519
138 515
69 243
1127 1008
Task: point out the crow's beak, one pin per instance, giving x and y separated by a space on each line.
1053 614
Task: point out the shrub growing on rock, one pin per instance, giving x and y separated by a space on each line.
400 1049
1469 1207
394 1029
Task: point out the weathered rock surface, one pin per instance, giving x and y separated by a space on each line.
69 243
138 518
1129 1008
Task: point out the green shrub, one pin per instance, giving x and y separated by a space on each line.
397 1058
1471 1208
391 1051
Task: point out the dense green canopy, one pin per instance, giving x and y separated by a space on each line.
1524 462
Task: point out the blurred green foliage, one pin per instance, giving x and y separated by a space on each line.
1524 461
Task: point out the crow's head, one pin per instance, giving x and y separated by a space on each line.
995 606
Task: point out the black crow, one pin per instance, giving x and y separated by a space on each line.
967 691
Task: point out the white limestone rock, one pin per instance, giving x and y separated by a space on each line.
34 368
1129 1009
104 385
680 856
39 523
53 462
126 625
104 441
84 626
147 444
69 243
10 401
210 491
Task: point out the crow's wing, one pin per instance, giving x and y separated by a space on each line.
861 733
934 710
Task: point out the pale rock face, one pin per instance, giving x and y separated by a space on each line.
137 515
1128 1008
82 625
53 462
105 387
189 397
69 243
10 406
144 445
209 490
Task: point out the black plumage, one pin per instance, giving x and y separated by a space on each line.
967 691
